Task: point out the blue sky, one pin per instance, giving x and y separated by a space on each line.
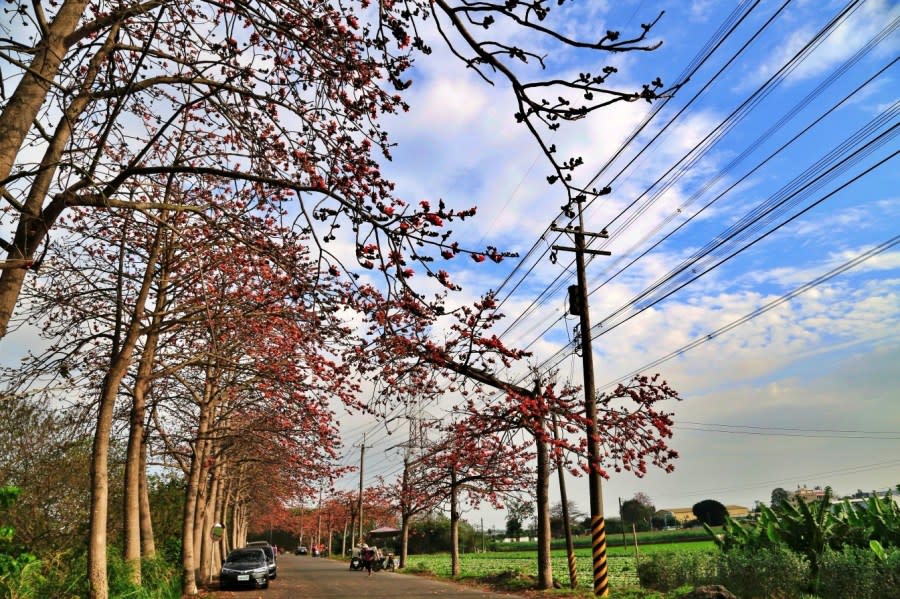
804 393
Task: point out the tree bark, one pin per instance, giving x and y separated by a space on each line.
193 491
135 468
404 539
15 122
148 543
454 526
25 102
119 363
207 545
545 566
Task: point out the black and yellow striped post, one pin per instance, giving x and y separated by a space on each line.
598 553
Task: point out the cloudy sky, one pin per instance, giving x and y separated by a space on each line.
754 228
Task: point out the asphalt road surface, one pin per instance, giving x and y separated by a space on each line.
304 577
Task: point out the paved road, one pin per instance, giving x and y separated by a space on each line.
303 577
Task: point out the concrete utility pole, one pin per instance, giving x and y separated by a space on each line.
362 457
567 528
579 303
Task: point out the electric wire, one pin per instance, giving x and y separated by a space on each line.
752 101
850 264
750 244
786 198
883 138
705 145
790 428
785 434
818 120
811 475
723 33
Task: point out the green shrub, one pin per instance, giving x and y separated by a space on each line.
61 575
860 573
667 571
763 573
849 573
64 576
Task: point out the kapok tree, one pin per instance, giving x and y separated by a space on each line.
468 358
265 381
471 468
286 96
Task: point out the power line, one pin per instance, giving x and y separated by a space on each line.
717 133
850 264
802 435
697 62
695 273
788 428
604 327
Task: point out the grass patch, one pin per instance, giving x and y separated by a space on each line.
516 571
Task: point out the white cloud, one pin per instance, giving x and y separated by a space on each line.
844 41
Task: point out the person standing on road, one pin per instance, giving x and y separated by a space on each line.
368 558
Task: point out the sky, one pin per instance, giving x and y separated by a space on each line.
774 310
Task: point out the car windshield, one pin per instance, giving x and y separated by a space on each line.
248 556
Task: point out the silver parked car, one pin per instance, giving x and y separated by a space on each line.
271 555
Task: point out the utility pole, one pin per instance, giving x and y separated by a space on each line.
580 301
319 523
567 527
362 456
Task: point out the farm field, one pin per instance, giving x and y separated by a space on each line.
622 562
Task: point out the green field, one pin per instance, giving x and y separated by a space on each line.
622 563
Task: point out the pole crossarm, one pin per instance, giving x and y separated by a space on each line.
562 248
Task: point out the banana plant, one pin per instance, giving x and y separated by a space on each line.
807 529
736 534
876 520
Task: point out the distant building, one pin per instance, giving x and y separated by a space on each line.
807 495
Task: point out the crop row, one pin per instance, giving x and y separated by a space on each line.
622 570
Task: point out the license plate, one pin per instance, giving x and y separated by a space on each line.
243 577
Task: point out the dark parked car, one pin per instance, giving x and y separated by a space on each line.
301 550
245 567
271 555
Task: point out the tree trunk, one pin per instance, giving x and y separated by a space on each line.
454 526
404 539
132 498
207 545
545 566
136 520
148 544
201 509
189 580
134 464
195 486
99 474
16 120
